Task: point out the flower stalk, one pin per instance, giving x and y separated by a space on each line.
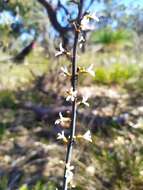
74 79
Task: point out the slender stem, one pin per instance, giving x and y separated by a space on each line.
74 106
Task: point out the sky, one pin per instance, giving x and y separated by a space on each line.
7 17
132 2
127 3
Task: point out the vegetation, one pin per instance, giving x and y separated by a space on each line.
112 39
31 156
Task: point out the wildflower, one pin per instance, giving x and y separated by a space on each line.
69 173
86 22
62 51
87 136
62 120
71 95
90 70
84 101
139 124
81 41
69 167
93 16
61 136
65 71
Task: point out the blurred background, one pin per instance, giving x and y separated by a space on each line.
32 93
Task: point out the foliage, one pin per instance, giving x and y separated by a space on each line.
39 186
3 183
112 39
115 74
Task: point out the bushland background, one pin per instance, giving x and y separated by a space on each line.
32 88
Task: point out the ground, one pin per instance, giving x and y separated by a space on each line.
30 153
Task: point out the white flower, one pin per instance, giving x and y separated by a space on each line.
84 101
85 25
139 123
87 136
90 70
69 167
81 41
62 120
71 95
69 173
94 17
86 22
61 50
61 136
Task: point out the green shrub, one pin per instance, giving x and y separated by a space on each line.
112 39
39 186
115 74
7 99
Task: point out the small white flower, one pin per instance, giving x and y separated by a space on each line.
94 17
86 22
69 167
84 101
80 45
71 95
90 70
81 41
85 25
61 136
62 120
61 50
87 136
139 123
69 173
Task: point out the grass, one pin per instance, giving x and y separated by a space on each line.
114 160
111 68
115 74
39 186
112 39
13 76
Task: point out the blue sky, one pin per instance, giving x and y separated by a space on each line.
7 17
128 3
132 2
